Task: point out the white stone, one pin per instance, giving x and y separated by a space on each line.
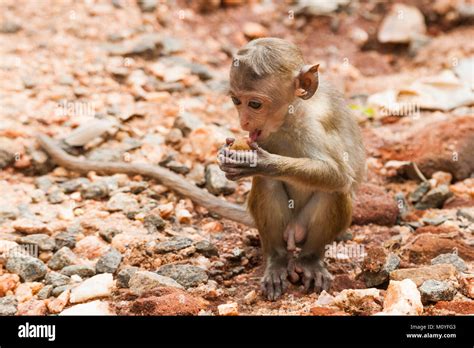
91 308
6 245
228 309
349 295
402 25
98 286
325 299
402 298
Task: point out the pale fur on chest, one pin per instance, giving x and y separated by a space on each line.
292 139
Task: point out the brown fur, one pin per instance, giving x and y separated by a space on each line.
315 158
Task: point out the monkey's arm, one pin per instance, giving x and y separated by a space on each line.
171 180
315 174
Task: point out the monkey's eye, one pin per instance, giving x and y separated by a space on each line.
236 101
255 104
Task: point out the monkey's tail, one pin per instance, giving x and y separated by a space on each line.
169 179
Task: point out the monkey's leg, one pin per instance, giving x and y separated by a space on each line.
268 204
331 217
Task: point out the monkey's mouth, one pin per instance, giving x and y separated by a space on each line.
253 135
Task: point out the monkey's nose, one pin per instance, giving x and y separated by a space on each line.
245 126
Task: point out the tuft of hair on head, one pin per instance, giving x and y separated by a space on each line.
267 56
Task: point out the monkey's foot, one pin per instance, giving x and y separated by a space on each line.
312 271
294 233
274 282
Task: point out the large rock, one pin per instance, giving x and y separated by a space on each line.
403 24
164 301
173 245
62 258
153 222
427 246
186 275
402 298
374 205
217 183
32 307
434 198
206 248
83 271
109 262
8 305
91 308
29 268
452 259
95 190
144 281
43 241
91 247
359 301
124 275
8 283
421 274
454 307
30 226
65 239
57 305
467 286
122 202
98 286
56 279
377 266
228 309
435 290
440 146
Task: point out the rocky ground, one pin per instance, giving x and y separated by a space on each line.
145 82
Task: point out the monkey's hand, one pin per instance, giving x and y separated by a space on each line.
241 164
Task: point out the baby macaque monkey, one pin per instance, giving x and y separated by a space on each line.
309 160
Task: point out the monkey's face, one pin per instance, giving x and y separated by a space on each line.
260 113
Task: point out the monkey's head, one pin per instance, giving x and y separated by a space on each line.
266 76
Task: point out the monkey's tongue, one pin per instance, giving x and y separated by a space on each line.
253 135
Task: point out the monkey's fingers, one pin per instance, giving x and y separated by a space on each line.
268 288
232 163
229 141
292 274
232 170
318 281
307 280
323 279
237 173
274 283
277 286
253 145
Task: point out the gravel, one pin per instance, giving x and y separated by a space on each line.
29 268
186 275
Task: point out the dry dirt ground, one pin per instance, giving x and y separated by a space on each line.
149 85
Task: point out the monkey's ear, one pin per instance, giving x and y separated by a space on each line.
307 81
